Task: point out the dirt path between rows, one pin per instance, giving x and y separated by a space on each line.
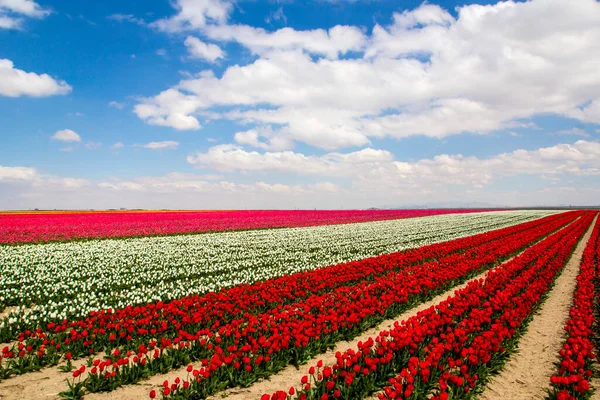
43 385
527 374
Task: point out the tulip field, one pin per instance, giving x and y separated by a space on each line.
295 304
45 227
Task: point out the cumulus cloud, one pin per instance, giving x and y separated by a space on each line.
254 137
574 131
169 144
231 157
17 174
12 11
30 176
127 18
277 15
15 82
66 135
590 112
158 192
331 43
170 108
195 14
504 60
353 179
117 105
205 51
374 168
180 182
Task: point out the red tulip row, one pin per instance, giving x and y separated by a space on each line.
448 350
578 354
132 326
260 345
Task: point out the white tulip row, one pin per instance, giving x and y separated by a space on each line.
68 280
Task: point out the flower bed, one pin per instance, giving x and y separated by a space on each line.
448 350
257 345
45 227
51 282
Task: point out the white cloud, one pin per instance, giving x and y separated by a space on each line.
574 131
337 40
169 108
70 183
11 12
427 14
371 168
588 113
93 145
30 176
181 183
66 135
15 82
504 62
335 180
277 15
127 18
205 51
118 145
24 7
17 174
275 141
161 52
169 144
230 158
195 14
7 22
117 105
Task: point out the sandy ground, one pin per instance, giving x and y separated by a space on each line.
527 373
41 385
44 384
595 382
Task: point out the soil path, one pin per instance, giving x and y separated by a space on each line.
527 373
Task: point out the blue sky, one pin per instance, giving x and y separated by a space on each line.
285 104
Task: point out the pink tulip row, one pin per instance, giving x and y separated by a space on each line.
45 227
